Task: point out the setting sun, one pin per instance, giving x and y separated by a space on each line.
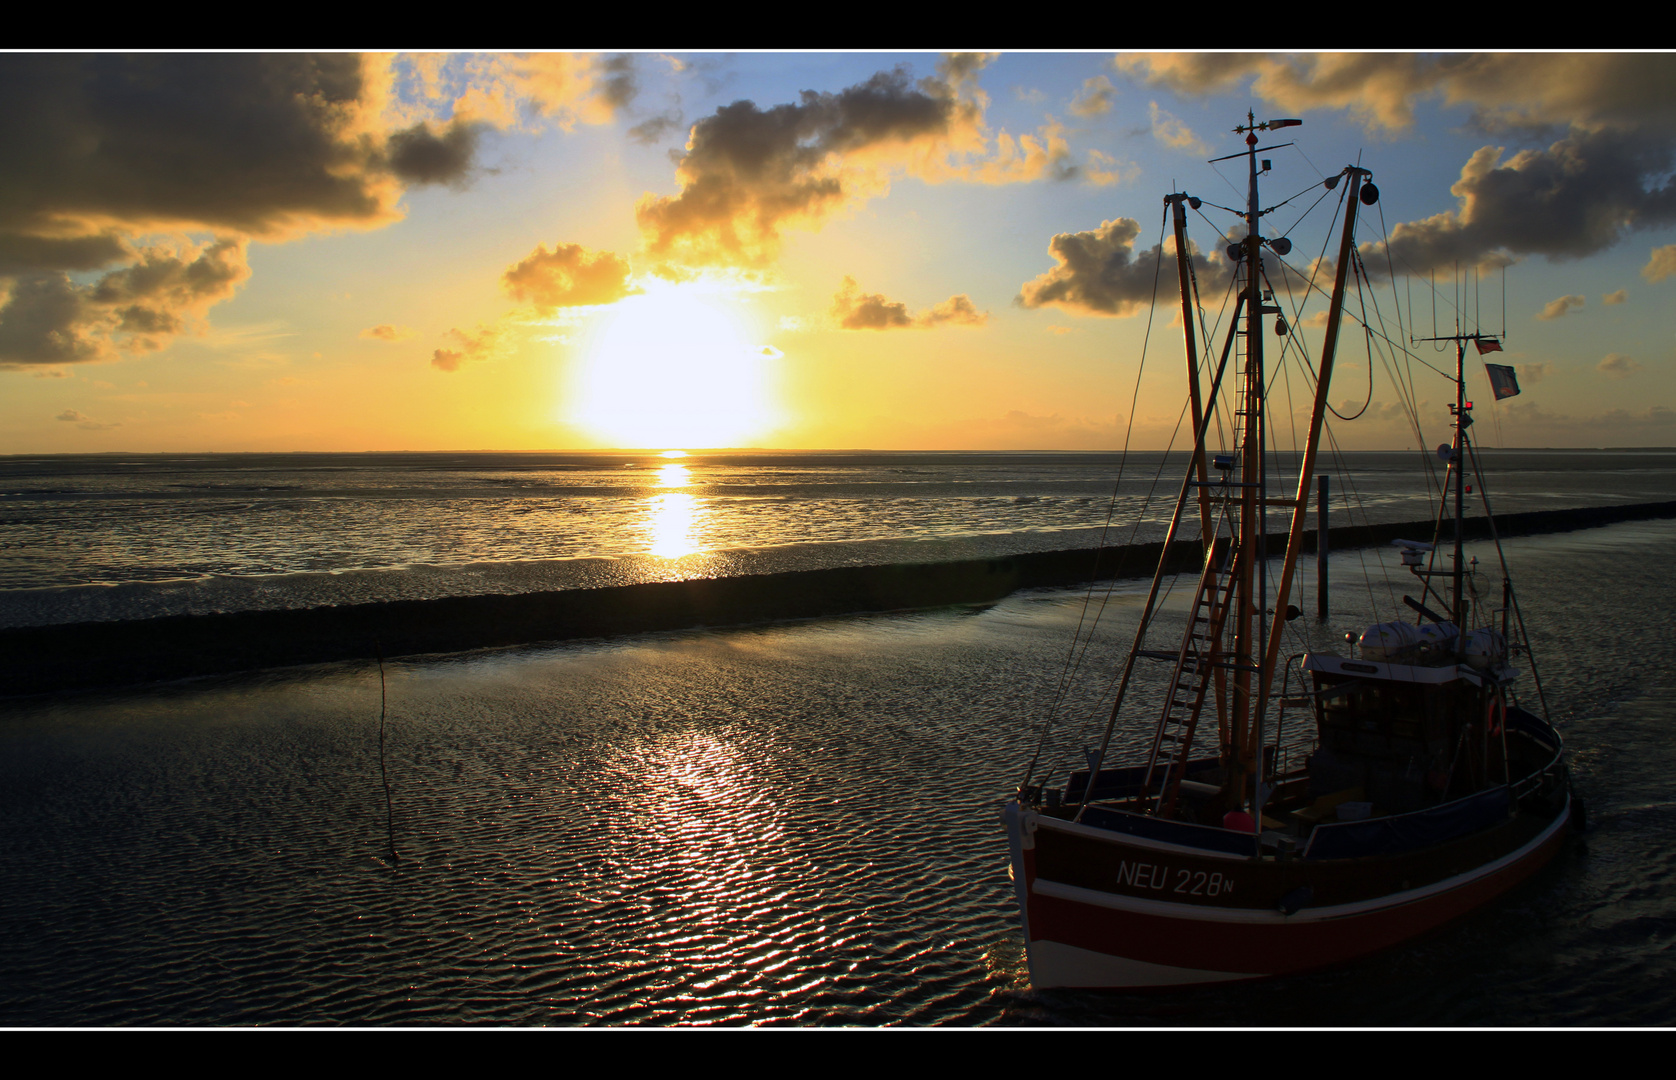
673 366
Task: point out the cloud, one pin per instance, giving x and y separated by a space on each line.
749 174
1661 265
1095 98
1173 133
419 156
1103 170
1609 120
1617 366
49 319
1613 298
856 310
1553 309
1381 89
565 88
83 421
568 276
1576 198
653 130
1535 373
955 311
387 332
1099 273
106 151
484 343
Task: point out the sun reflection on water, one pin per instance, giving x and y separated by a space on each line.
674 518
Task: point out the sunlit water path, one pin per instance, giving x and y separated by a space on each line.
791 824
116 536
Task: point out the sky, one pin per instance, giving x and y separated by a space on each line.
917 251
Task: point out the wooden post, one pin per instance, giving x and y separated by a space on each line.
1321 547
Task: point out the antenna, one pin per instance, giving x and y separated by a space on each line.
389 812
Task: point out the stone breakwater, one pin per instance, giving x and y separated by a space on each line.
42 659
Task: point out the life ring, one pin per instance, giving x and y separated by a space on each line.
1495 713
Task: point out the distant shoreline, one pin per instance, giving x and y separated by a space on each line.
48 659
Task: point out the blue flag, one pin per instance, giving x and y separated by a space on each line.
1502 380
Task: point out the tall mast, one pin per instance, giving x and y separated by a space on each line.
1179 203
1329 349
1251 480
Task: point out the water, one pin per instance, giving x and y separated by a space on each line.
786 824
116 536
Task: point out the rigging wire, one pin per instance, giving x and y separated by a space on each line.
1074 658
1367 334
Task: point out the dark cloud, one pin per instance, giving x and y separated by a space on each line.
48 319
750 173
619 85
1608 121
568 276
44 321
856 310
105 151
240 142
653 130
1575 198
22 254
420 157
1099 272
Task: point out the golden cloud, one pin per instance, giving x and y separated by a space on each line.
749 174
568 276
387 332
1564 305
1100 274
855 310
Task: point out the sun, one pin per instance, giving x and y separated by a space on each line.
673 367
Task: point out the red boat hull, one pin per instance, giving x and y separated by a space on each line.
1089 937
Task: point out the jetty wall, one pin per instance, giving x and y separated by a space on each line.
44 659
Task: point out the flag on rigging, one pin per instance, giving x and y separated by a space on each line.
1502 380
1487 345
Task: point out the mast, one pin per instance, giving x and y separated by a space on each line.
1329 348
1250 484
1462 412
1179 203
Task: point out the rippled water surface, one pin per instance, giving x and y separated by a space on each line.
786 824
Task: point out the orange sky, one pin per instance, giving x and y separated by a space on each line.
811 250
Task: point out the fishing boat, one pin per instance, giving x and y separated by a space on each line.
1258 807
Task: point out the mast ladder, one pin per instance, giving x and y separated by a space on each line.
1196 662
